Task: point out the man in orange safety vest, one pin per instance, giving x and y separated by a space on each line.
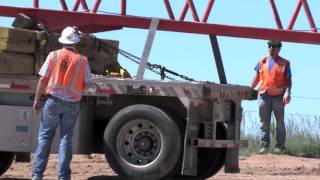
64 75
273 78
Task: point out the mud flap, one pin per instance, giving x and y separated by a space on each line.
190 155
232 162
233 133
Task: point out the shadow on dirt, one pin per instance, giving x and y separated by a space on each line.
106 178
102 178
14 179
123 178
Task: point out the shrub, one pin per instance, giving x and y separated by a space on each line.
303 134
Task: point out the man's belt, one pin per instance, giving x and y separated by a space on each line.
275 90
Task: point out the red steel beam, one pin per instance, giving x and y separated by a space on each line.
193 11
84 5
107 21
36 3
276 14
76 5
64 5
295 15
96 6
169 9
184 11
123 7
98 28
207 11
309 15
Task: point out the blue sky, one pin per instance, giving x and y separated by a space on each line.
191 54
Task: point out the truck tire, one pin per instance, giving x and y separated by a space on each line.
6 159
210 162
142 142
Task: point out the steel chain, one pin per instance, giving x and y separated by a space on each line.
150 66
133 59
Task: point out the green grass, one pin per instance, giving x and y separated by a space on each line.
303 134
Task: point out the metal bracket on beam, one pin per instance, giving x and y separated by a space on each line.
208 143
217 57
147 48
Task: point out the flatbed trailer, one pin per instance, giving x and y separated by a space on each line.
147 129
160 127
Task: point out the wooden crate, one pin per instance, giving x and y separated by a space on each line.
102 54
16 63
19 40
98 49
24 51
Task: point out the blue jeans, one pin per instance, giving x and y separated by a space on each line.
266 107
56 112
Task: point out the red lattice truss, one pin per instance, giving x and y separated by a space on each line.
89 20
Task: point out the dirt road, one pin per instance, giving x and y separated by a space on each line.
265 167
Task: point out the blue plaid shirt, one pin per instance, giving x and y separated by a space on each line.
44 71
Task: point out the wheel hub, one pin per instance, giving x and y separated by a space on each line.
143 144
139 142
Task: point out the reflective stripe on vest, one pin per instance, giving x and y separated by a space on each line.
72 88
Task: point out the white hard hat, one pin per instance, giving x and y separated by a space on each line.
69 36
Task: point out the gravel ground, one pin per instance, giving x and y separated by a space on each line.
264 167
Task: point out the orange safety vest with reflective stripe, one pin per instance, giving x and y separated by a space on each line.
66 73
274 81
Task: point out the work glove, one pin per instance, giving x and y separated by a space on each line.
91 87
286 97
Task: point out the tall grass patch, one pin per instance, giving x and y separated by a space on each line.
303 134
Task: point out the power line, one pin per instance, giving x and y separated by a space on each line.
305 97
286 114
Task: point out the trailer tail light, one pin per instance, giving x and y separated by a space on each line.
106 90
15 86
20 86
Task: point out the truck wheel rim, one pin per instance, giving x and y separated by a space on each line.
139 143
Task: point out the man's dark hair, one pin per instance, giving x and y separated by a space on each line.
274 43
